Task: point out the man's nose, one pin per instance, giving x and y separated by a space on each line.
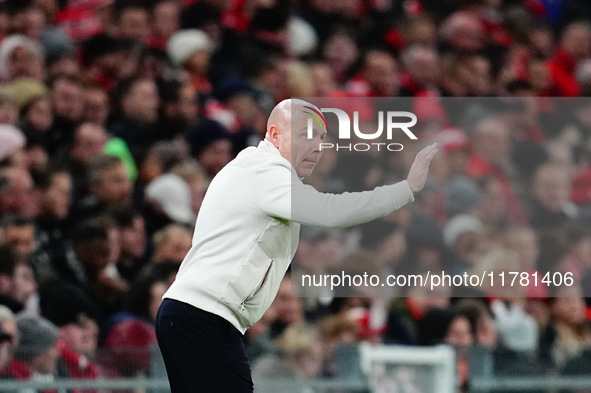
317 142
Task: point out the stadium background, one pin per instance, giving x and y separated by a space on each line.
114 115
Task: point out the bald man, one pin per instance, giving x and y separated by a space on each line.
245 237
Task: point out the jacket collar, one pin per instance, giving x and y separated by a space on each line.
267 146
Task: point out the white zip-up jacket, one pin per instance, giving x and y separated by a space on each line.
247 232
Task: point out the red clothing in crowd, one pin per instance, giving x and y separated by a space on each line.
19 371
562 74
78 19
408 83
78 366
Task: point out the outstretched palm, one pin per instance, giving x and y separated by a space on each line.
417 175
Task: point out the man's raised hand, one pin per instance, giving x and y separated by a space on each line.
417 175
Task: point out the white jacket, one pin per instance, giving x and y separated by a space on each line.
247 232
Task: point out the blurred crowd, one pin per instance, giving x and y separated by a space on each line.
116 114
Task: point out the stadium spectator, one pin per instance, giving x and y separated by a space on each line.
492 146
482 324
406 312
339 336
129 335
170 195
138 101
288 309
551 206
575 45
8 109
35 108
378 76
96 105
524 241
210 145
13 152
421 70
133 242
19 233
172 243
165 16
191 50
463 235
567 334
340 51
131 21
20 57
463 31
94 247
386 239
67 99
298 354
108 184
36 356
160 159
8 340
197 180
55 187
10 260
88 141
440 326
180 107
16 192
102 56
75 317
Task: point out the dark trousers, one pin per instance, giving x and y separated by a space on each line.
202 351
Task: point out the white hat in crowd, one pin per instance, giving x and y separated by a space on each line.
185 43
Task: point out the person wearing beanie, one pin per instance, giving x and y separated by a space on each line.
210 145
36 356
462 195
172 196
237 107
8 72
12 140
191 50
245 238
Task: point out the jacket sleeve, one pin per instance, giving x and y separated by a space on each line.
281 194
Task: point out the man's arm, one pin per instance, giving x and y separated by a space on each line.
285 196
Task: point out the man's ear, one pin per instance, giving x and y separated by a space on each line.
274 135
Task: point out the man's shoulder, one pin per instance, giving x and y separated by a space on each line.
258 159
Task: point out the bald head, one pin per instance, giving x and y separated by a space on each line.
288 122
281 115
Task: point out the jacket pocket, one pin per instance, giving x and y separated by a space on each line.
249 281
258 287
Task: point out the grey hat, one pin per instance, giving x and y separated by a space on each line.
36 336
57 45
462 194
